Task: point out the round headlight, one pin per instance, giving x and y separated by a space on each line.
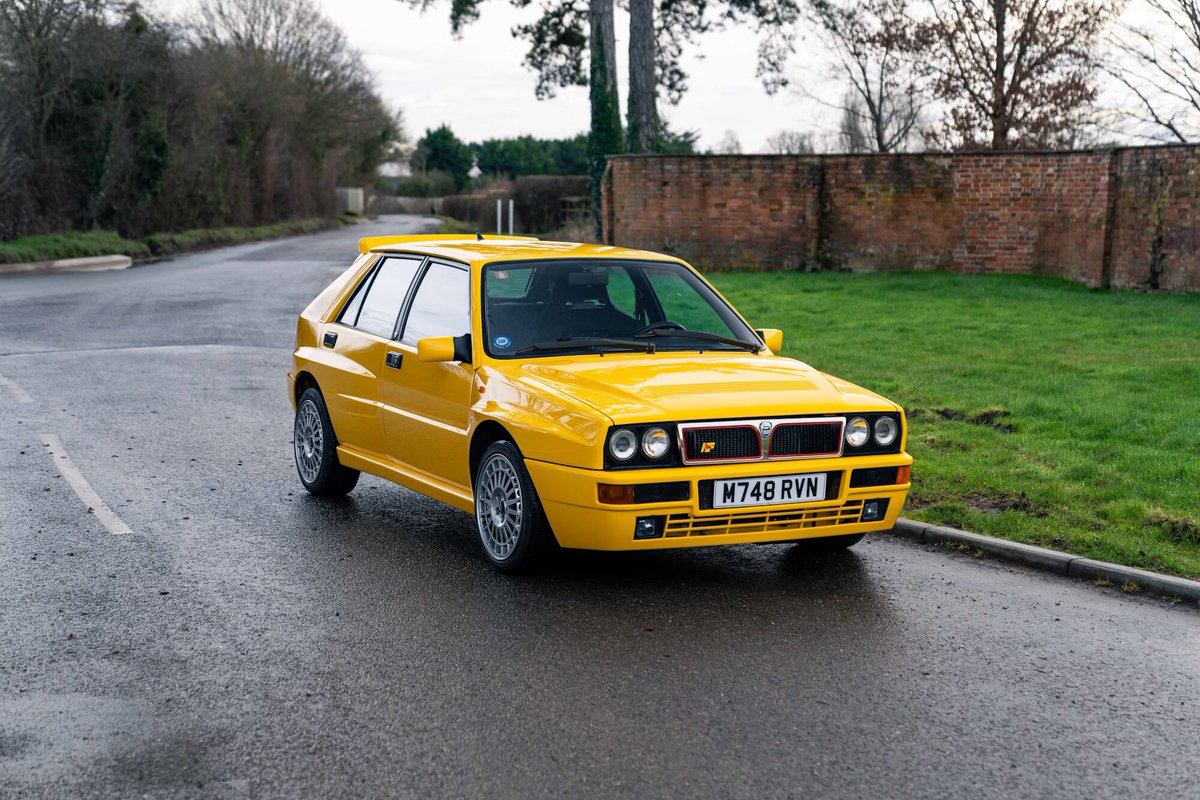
886 431
655 443
857 432
623 445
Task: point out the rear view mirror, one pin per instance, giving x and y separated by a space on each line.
436 348
772 338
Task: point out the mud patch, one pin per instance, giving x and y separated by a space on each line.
1180 529
988 417
995 504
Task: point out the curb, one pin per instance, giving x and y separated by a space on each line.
89 264
1059 563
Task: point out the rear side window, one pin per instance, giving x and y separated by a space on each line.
442 305
376 305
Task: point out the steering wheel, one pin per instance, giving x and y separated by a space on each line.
661 325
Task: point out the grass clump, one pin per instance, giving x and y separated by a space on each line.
74 244
1038 410
78 244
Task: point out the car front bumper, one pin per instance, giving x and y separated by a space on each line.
570 497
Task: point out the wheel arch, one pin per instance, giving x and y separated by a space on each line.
304 380
486 434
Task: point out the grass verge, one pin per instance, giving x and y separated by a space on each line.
1038 410
78 244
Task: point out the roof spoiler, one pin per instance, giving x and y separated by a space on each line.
369 243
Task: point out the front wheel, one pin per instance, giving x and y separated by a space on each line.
316 449
512 526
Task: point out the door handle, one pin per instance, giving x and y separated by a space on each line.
394 359
330 339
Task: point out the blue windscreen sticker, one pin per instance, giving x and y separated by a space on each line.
501 342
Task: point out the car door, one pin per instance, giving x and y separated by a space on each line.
425 404
361 335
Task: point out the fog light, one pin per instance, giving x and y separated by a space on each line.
873 510
648 527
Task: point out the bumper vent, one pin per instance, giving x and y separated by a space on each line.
832 516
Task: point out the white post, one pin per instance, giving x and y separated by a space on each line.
499 216
510 216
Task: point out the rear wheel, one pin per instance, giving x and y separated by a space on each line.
316 449
828 544
512 527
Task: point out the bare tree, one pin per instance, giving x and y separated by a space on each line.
869 40
1012 73
852 138
1160 66
786 143
729 145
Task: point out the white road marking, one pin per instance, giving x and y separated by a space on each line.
82 488
19 394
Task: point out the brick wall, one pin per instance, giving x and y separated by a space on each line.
1122 218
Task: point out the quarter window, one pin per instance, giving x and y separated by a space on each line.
384 297
442 305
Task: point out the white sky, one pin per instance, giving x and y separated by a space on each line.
478 86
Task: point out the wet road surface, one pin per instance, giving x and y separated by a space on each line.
247 640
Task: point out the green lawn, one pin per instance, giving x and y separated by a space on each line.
1038 410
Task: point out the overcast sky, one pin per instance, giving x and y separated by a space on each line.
479 87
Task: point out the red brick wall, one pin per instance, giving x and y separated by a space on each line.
1125 218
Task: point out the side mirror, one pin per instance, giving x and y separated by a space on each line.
436 348
445 348
772 338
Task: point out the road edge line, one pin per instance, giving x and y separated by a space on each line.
83 489
18 394
1054 561
85 264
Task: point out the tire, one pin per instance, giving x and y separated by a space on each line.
315 448
829 544
512 526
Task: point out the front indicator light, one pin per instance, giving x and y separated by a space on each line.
857 432
623 445
903 474
655 443
886 431
615 494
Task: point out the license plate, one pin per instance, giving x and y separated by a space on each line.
769 491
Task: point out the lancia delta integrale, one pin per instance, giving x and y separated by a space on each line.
590 396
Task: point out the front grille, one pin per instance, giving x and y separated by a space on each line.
752 522
806 439
720 444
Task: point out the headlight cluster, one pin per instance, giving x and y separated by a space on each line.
641 446
859 430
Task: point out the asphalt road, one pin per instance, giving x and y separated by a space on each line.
247 640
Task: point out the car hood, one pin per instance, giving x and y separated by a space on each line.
661 387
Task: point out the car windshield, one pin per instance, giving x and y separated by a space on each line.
568 306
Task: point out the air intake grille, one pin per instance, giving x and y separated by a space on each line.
718 444
829 516
806 439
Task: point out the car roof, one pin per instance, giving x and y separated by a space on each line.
491 248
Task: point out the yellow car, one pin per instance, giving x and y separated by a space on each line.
590 396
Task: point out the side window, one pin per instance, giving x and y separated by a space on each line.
442 305
385 296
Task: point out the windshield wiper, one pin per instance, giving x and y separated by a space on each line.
705 337
577 342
